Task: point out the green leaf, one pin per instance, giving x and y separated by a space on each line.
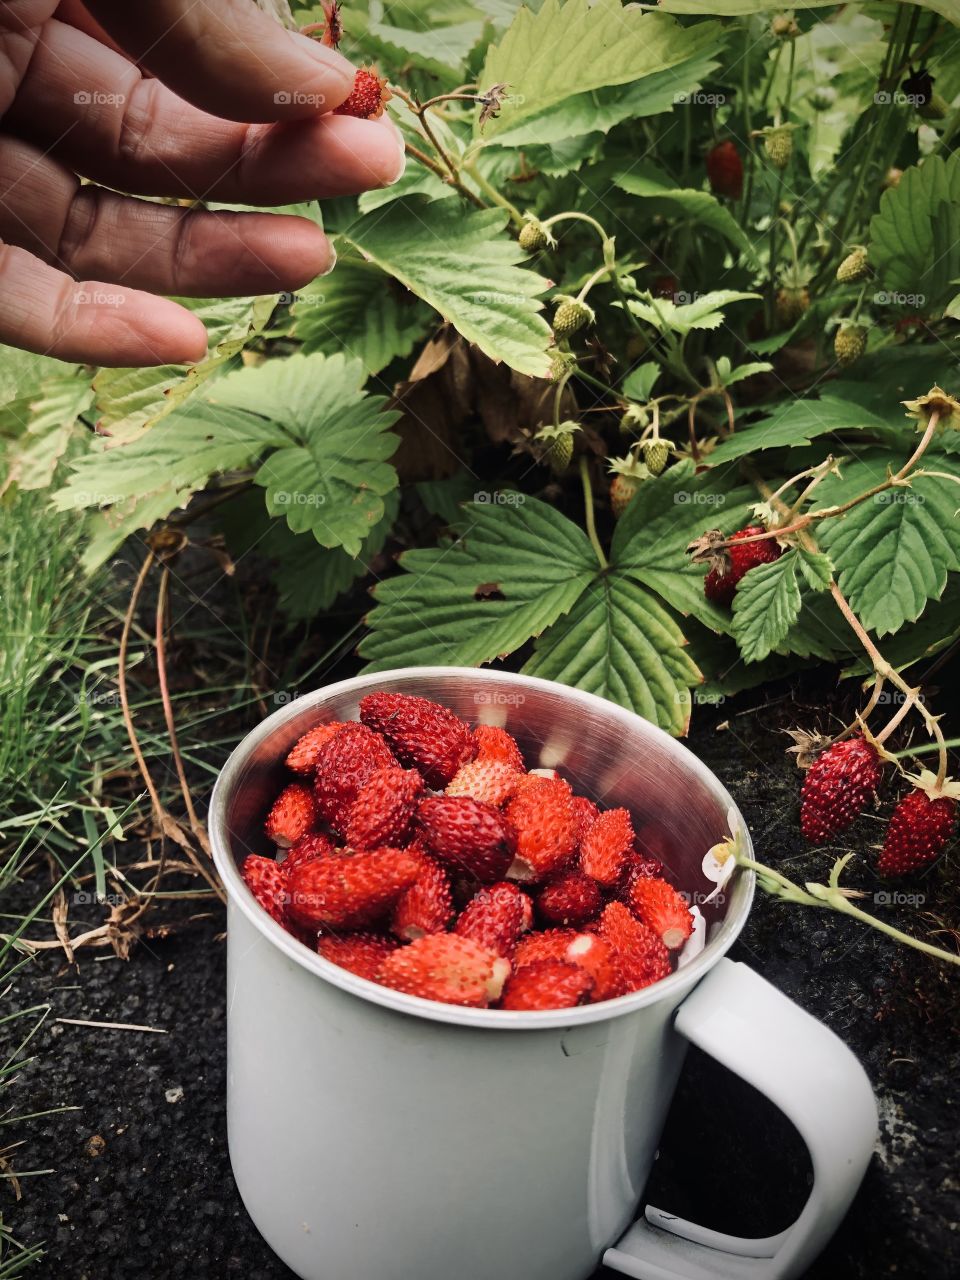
668 512
765 607
22 372
514 569
936 629
729 375
741 8
682 205
914 237
195 443
816 568
448 45
796 423
639 382
331 472
131 400
415 181
618 642
893 552
42 425
465 267
705 312
360 311
569 50
107 530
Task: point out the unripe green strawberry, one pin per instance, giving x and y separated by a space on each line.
792 301
778 144
935 108
570 316
854 267
533 236
628 476
849 344
559 453
656 454
784 27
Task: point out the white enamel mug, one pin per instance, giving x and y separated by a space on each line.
378 1136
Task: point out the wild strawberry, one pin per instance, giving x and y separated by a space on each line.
778 144
837 787
550 944
854 268
448 968
570 317
656 455
344 764
265 880
725 170
494 743
586 813
384 808
313 845
661 908
303 755
546 984
467 835
792 302
422 734
543 816
849 344
664 287
601 960
720 585
570 898
293 814
557 445
361 953
920 826
639 866
494 917
605 847
368 97
628 476
534 236
643 956
426 907
349 890
492 781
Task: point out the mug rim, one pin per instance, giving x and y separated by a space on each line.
675 985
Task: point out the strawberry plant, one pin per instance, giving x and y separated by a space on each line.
642 373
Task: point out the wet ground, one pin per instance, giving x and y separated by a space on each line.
141 1182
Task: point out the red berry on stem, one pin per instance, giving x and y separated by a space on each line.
838 786
721 586
368 96
919 829
725 170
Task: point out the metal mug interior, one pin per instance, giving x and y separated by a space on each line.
679 808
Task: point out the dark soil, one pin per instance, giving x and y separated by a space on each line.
142 1183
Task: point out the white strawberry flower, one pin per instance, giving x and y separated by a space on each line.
720 861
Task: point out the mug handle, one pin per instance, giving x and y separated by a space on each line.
810 1074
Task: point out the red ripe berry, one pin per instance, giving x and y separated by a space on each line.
494 917
423 734
426 907
603 852
571 898
492 781
837 787
344 764
661 908
639 867
313 845
721 587
368 96
546 984
643 957
467 836
494 743
725 170
919 829
303 756
545 821
293 814
350 890
587 814
265 880
551 944
602 961
448 968
383 809
361 953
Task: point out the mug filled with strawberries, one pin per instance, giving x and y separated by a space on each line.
475 918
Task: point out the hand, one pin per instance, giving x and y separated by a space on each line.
73 100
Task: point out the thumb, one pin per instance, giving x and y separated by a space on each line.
228 57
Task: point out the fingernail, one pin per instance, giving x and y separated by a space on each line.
332 263
332 61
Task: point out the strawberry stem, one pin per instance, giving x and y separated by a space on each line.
588 508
